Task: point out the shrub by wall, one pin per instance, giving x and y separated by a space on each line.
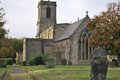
38 60
9 61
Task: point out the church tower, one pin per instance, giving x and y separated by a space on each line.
46 19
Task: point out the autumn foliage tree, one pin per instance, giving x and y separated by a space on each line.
105 29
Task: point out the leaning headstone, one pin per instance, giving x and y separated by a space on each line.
99 64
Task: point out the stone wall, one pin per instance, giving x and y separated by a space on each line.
48 46
62 50
33 47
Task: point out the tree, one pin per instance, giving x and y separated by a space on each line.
105 29
2 22
6 52
9 47
6 49
2 33
17 44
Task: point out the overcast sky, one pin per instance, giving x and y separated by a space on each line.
22 14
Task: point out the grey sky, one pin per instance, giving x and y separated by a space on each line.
22 14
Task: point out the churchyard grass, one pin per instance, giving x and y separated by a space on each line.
4 69
66 72
1 70
69 72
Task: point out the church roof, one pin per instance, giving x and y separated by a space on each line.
70 30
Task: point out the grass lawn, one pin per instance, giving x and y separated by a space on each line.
4 69
67 72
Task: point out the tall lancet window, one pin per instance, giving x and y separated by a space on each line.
48 12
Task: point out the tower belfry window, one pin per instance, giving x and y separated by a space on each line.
48 12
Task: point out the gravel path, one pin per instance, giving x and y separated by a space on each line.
2 75
18 74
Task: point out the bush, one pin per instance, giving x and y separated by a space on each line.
3 63
37 60
31 62
9 61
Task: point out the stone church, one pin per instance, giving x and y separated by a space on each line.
68 42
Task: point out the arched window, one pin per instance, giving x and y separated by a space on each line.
48 12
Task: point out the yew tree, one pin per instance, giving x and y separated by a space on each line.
105 29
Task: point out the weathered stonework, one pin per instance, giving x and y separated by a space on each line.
33 47
46 19
62 49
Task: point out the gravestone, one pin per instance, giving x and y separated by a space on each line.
99 64
50 63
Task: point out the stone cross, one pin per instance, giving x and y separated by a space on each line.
99 64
